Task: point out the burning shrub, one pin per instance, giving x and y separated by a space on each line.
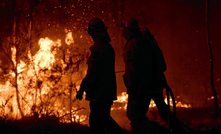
47 82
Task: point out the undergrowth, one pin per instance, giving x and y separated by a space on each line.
43 125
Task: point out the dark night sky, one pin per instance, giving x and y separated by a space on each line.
180 29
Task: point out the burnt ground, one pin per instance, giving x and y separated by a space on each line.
202 121
46 125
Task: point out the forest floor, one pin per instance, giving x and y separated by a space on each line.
202 121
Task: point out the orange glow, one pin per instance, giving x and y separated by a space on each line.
36 88
69 38
44 58
13 50
212 97
178 104
39 90
123 98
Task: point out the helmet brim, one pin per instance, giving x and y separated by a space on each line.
97 29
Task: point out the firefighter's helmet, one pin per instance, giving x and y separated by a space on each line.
130 23
96 24
145 31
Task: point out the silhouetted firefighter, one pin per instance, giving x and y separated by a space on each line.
100 80
144 78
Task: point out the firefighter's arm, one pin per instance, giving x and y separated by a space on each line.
94 66
132 66
161 60
143 64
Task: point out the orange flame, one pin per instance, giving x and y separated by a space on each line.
34 94
123 98
31 93
69 38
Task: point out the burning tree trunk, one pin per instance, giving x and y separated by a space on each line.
211 60
13 43
71 86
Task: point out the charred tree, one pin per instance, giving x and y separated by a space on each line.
211 61
19 37
13 43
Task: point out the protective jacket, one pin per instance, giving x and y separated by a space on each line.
100 80
158 63
141 66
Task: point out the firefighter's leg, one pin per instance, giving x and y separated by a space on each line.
110 124
136 112
165 114
161 106
95 119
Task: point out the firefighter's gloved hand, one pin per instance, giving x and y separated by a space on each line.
79 95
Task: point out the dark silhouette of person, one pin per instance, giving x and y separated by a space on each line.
100 80
144 78
160 82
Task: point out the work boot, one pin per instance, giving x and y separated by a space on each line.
122 131
164 131
118 131
178 130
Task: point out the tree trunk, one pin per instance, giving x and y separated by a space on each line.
71 86
211 61
120 18
13 43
